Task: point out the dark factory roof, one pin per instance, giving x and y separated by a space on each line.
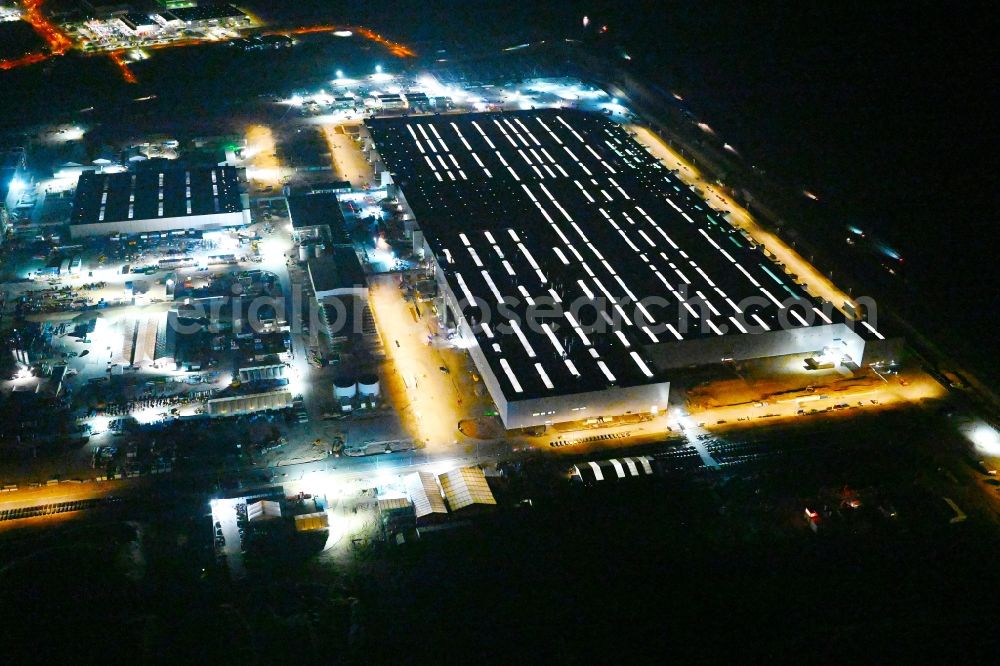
159 193
563 208
316 210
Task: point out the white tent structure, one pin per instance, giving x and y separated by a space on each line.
466 486
422 487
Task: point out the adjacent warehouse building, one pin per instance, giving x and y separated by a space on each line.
251 397
337 272
317 215
580 272
162 199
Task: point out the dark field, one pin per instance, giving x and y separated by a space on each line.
18 39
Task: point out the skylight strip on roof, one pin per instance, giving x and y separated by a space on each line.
749 277
642 364
522 337
577 328
872 329
553 339
773 299
709 239
469 298
822 315
492 285
799 317
621 313
760 321
527 253
736 322
629 241
475 257
703 275
511 376
544 375
607 373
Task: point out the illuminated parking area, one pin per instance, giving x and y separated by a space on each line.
556 207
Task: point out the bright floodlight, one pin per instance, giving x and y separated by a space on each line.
340 73
17 185
378 69
343 33
99 424
984 437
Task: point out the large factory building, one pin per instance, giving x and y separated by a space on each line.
151 200
581 273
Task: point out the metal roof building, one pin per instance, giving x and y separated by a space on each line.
161 199
465 487
337 272
581 271
422 487
318 215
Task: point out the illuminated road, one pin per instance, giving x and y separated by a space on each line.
265 172
885 396
118 58
348 161
425 396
